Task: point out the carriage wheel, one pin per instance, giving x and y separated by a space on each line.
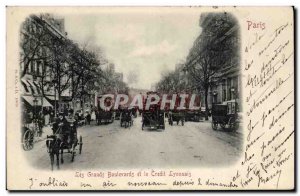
214 125
233 124
223 125
80 144
236 126
27 140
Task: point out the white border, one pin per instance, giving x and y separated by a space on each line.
5 3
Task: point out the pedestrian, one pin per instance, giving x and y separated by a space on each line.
47 116
51 113
93 115
41 123
88 118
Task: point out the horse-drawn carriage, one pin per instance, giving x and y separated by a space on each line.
194 115
225 115
126 119
176 116
63 140
118 114
153 117
134 111
103 116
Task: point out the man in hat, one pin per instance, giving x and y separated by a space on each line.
61 125
72 122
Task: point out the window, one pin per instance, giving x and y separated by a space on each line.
236 87
39 68
224 90
30 67
229 89
47 73
34 67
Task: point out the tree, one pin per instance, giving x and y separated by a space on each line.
170 83
216 47
33 39
62 65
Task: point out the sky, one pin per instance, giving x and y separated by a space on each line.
142 45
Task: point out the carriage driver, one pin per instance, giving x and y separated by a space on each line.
61 123
61 127
72 132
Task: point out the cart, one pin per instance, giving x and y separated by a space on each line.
105 117
59 143
126 118
176 116
225 115
153 119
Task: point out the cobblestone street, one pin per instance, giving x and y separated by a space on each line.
110 146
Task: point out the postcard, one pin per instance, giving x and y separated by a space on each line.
150 98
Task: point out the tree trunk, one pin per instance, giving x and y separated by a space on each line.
206 102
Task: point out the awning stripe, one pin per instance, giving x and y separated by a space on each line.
31 87
37 87
25 87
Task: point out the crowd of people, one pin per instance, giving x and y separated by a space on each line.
42 117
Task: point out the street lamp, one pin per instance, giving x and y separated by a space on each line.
233 91
215 93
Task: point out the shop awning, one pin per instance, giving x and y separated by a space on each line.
40 101
52 98
30 87
46 103
30 100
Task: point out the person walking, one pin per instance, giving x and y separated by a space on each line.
41 123
88 118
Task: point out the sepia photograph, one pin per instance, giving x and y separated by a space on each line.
174 96
150 98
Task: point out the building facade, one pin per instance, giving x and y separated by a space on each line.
38 89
